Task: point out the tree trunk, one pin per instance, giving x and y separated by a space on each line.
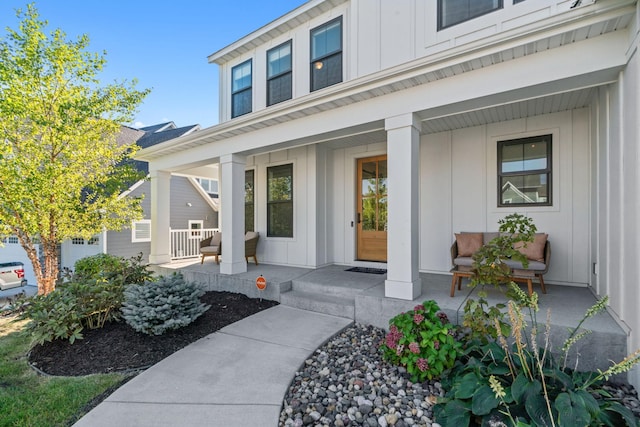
45 277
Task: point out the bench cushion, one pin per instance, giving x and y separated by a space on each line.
468 243
209 250
533 250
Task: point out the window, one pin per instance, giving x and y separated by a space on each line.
93 241
524 171
195 229
326 54
280 201
141 231
77 241
452 12
241 89
279 74
210 186
517 1
249 203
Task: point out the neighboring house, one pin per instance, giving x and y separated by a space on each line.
192 208
369 132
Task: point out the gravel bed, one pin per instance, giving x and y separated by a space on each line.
347 383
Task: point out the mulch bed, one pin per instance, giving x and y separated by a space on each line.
119 348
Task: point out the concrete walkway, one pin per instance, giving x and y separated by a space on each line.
237 376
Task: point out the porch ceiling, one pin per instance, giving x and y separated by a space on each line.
502 48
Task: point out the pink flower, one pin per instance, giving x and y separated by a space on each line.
436 345
414 347
422 364
418 318
418 308
443 317
390 341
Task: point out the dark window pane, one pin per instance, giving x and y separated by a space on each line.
249 185
326 72
241 103
279 89
280 217
524 189
453 12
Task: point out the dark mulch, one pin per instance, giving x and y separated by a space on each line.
117 347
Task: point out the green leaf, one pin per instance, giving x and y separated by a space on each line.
467 386
522 387
484 401
571 410
457 414
537 410
589 402
626 414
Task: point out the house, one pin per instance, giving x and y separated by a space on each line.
194 210
370 131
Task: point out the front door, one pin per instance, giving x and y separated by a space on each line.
372 209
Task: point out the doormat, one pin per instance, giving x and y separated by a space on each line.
367 270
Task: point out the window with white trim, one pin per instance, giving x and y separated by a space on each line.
524 171
280 201
141 231
241 93
195 229
452 12
326 54
279 75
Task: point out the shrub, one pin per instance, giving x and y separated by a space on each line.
156 307
422 341
518 383
87 298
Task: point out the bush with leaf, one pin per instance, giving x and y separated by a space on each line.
422 340
166 304
513 381
490 269
87 298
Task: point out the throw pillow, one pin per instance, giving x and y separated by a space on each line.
468 243
533 250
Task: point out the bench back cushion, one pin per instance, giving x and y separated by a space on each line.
533 250
468 243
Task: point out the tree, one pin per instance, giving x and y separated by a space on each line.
61 168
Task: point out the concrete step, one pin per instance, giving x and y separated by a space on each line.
341 306
336 288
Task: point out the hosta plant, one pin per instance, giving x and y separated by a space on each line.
515 382
422 340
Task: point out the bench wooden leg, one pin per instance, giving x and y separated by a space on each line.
530 286
202 260
544 289
454 279
217 261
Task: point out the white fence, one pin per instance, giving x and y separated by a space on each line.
186 243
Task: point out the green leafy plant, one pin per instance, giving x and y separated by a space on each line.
516 382
87 298
490 269
169 303
422 341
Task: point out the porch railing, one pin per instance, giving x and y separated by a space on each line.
186 243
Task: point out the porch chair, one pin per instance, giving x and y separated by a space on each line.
211 246
250 245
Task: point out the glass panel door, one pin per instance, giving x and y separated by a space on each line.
372 209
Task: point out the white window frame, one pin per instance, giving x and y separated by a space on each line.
196 233
135 225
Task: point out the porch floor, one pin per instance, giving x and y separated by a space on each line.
360 296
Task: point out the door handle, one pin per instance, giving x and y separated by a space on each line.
359 221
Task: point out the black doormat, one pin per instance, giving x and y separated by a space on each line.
367 270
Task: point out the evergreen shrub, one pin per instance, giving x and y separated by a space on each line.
166 304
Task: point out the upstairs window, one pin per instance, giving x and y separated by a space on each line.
241 89
524 171
280 201
326 54
452 12
279 75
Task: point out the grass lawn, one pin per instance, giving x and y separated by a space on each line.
28 399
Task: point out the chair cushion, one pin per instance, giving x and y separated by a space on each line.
463 261
468 243
209 250
250 235
533 250
533 265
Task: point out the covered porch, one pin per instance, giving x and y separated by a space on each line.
361 297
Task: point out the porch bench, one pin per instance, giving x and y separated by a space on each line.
537 252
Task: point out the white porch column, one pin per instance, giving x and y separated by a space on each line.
232 210
403 153
160 217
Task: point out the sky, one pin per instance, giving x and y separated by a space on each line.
163 44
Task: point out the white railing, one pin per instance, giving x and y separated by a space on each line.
186 243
